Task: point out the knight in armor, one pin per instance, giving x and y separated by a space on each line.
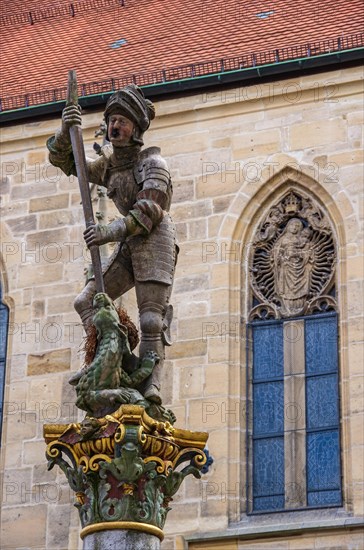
138 181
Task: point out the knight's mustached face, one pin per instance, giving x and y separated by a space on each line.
120 130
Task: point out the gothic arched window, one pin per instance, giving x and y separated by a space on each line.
293 428
4 323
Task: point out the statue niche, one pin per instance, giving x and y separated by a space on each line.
293 260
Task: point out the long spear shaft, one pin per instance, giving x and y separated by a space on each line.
81 168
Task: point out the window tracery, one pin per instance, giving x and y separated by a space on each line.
293 263
293 399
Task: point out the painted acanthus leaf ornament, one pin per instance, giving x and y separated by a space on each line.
125 471
293 258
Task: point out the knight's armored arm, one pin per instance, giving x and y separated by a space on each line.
153 198
116 231
60 153
60 148
155 195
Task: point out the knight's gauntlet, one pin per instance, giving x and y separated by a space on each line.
71 116
132 225
118 230
146 214
115 231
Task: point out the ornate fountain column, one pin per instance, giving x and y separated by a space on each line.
121 460
123 470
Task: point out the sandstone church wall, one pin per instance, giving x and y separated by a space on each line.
230 153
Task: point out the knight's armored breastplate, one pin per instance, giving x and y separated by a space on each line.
122 189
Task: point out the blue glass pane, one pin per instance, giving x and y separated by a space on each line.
324 498
268 466
322 401
3 330
268 408
4 320
321 345
268 351
2 376
2 383
323 461
268 503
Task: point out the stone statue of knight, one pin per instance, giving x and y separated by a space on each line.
138 181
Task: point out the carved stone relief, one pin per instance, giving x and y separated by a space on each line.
293 260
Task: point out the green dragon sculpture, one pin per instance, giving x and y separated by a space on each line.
114 376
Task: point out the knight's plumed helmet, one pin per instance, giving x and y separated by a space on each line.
130 102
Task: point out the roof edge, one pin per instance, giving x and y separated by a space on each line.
164 90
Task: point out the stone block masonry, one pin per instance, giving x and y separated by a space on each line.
229 156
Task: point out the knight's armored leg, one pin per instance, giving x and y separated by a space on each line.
153 300
83 304
117 280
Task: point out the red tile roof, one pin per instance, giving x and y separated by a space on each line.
40 43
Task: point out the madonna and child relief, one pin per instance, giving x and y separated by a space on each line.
293 259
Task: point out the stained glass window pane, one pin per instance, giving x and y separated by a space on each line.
322 401
321 345
323 461
268 351
268 408
268 503
323 474
268 467
3 329
4 321
324 498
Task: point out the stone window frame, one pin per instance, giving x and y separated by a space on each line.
245 214
292 440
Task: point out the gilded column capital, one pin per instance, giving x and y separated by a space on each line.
122 467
